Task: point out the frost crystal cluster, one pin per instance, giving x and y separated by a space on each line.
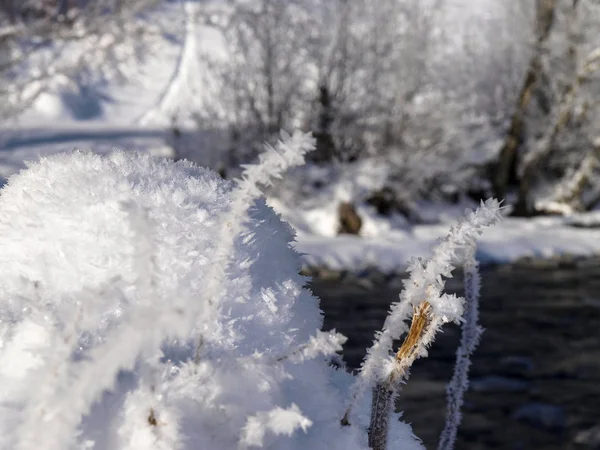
147 304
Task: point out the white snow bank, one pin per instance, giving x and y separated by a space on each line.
104 341
389 246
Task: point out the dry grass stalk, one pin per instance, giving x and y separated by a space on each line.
423 324
409 349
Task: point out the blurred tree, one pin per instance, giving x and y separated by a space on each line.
422 84
263 83
550 133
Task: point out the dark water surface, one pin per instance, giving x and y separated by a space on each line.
535 379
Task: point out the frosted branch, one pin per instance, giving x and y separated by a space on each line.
287 153
471 333
424 300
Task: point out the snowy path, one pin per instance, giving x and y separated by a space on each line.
183 76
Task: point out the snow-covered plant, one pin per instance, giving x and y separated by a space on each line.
147 304
423 299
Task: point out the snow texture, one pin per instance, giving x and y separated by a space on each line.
389 249
120 327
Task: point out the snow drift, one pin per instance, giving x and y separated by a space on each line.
150 304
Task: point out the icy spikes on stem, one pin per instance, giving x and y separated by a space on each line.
423 300
323 343
425 285
471 333
287 153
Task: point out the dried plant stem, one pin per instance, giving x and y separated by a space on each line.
471 334
384 394
409 349
424 301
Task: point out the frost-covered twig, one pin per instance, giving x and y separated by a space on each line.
424 300
323 343
471 333
287 153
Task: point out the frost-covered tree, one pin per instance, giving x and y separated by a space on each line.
373 61
553 127
427 86
343 69
263 81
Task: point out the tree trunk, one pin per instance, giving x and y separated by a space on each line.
558 119
325 151
506 168
515 137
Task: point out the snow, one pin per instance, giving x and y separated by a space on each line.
390 248
122 323
388 243
114 335
150 85
184 80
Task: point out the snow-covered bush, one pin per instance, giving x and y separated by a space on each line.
148 304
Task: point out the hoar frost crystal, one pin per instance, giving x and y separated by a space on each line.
128 321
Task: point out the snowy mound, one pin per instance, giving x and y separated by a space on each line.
72 222
113 334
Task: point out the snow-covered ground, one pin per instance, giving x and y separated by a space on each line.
166 81
388 243
389 248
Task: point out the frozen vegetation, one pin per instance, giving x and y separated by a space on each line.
147 304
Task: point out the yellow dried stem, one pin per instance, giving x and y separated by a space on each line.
384 393
407 353
421 320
